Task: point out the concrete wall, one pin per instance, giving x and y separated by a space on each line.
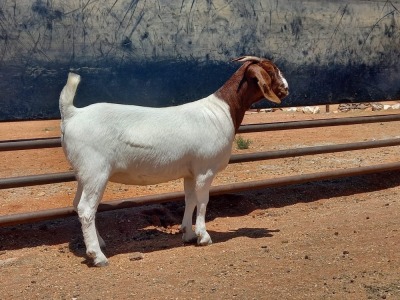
159 52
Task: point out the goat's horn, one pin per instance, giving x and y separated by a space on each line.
247 58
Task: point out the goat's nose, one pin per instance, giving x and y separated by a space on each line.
283 91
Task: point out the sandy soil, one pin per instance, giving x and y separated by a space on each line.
336 239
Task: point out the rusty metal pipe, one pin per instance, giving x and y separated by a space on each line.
218 190
29 144
317 123
13 145
24 181
247 157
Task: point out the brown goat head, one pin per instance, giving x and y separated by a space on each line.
272 85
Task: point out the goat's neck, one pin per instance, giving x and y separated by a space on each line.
239 94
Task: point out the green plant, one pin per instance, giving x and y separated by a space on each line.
241 143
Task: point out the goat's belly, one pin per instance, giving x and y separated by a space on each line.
139 178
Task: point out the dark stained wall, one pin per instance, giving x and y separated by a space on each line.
160 53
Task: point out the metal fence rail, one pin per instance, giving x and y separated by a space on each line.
317 123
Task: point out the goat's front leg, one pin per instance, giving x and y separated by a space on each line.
202 192
190 204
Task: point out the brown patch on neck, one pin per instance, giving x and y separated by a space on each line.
239 93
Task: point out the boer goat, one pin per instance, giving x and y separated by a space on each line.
140 145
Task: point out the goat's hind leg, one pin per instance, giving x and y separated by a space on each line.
87 208
77 199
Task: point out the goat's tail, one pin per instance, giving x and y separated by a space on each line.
67 95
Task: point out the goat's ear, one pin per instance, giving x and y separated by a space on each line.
264 82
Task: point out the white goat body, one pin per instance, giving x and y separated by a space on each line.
139 145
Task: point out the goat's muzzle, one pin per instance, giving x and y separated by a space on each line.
283 91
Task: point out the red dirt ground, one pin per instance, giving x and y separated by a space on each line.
336 239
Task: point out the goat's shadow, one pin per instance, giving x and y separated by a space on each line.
157 240
133 230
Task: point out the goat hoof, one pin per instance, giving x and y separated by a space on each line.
189 238
205 241
101 263
189 241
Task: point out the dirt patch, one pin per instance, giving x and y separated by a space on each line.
336 239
